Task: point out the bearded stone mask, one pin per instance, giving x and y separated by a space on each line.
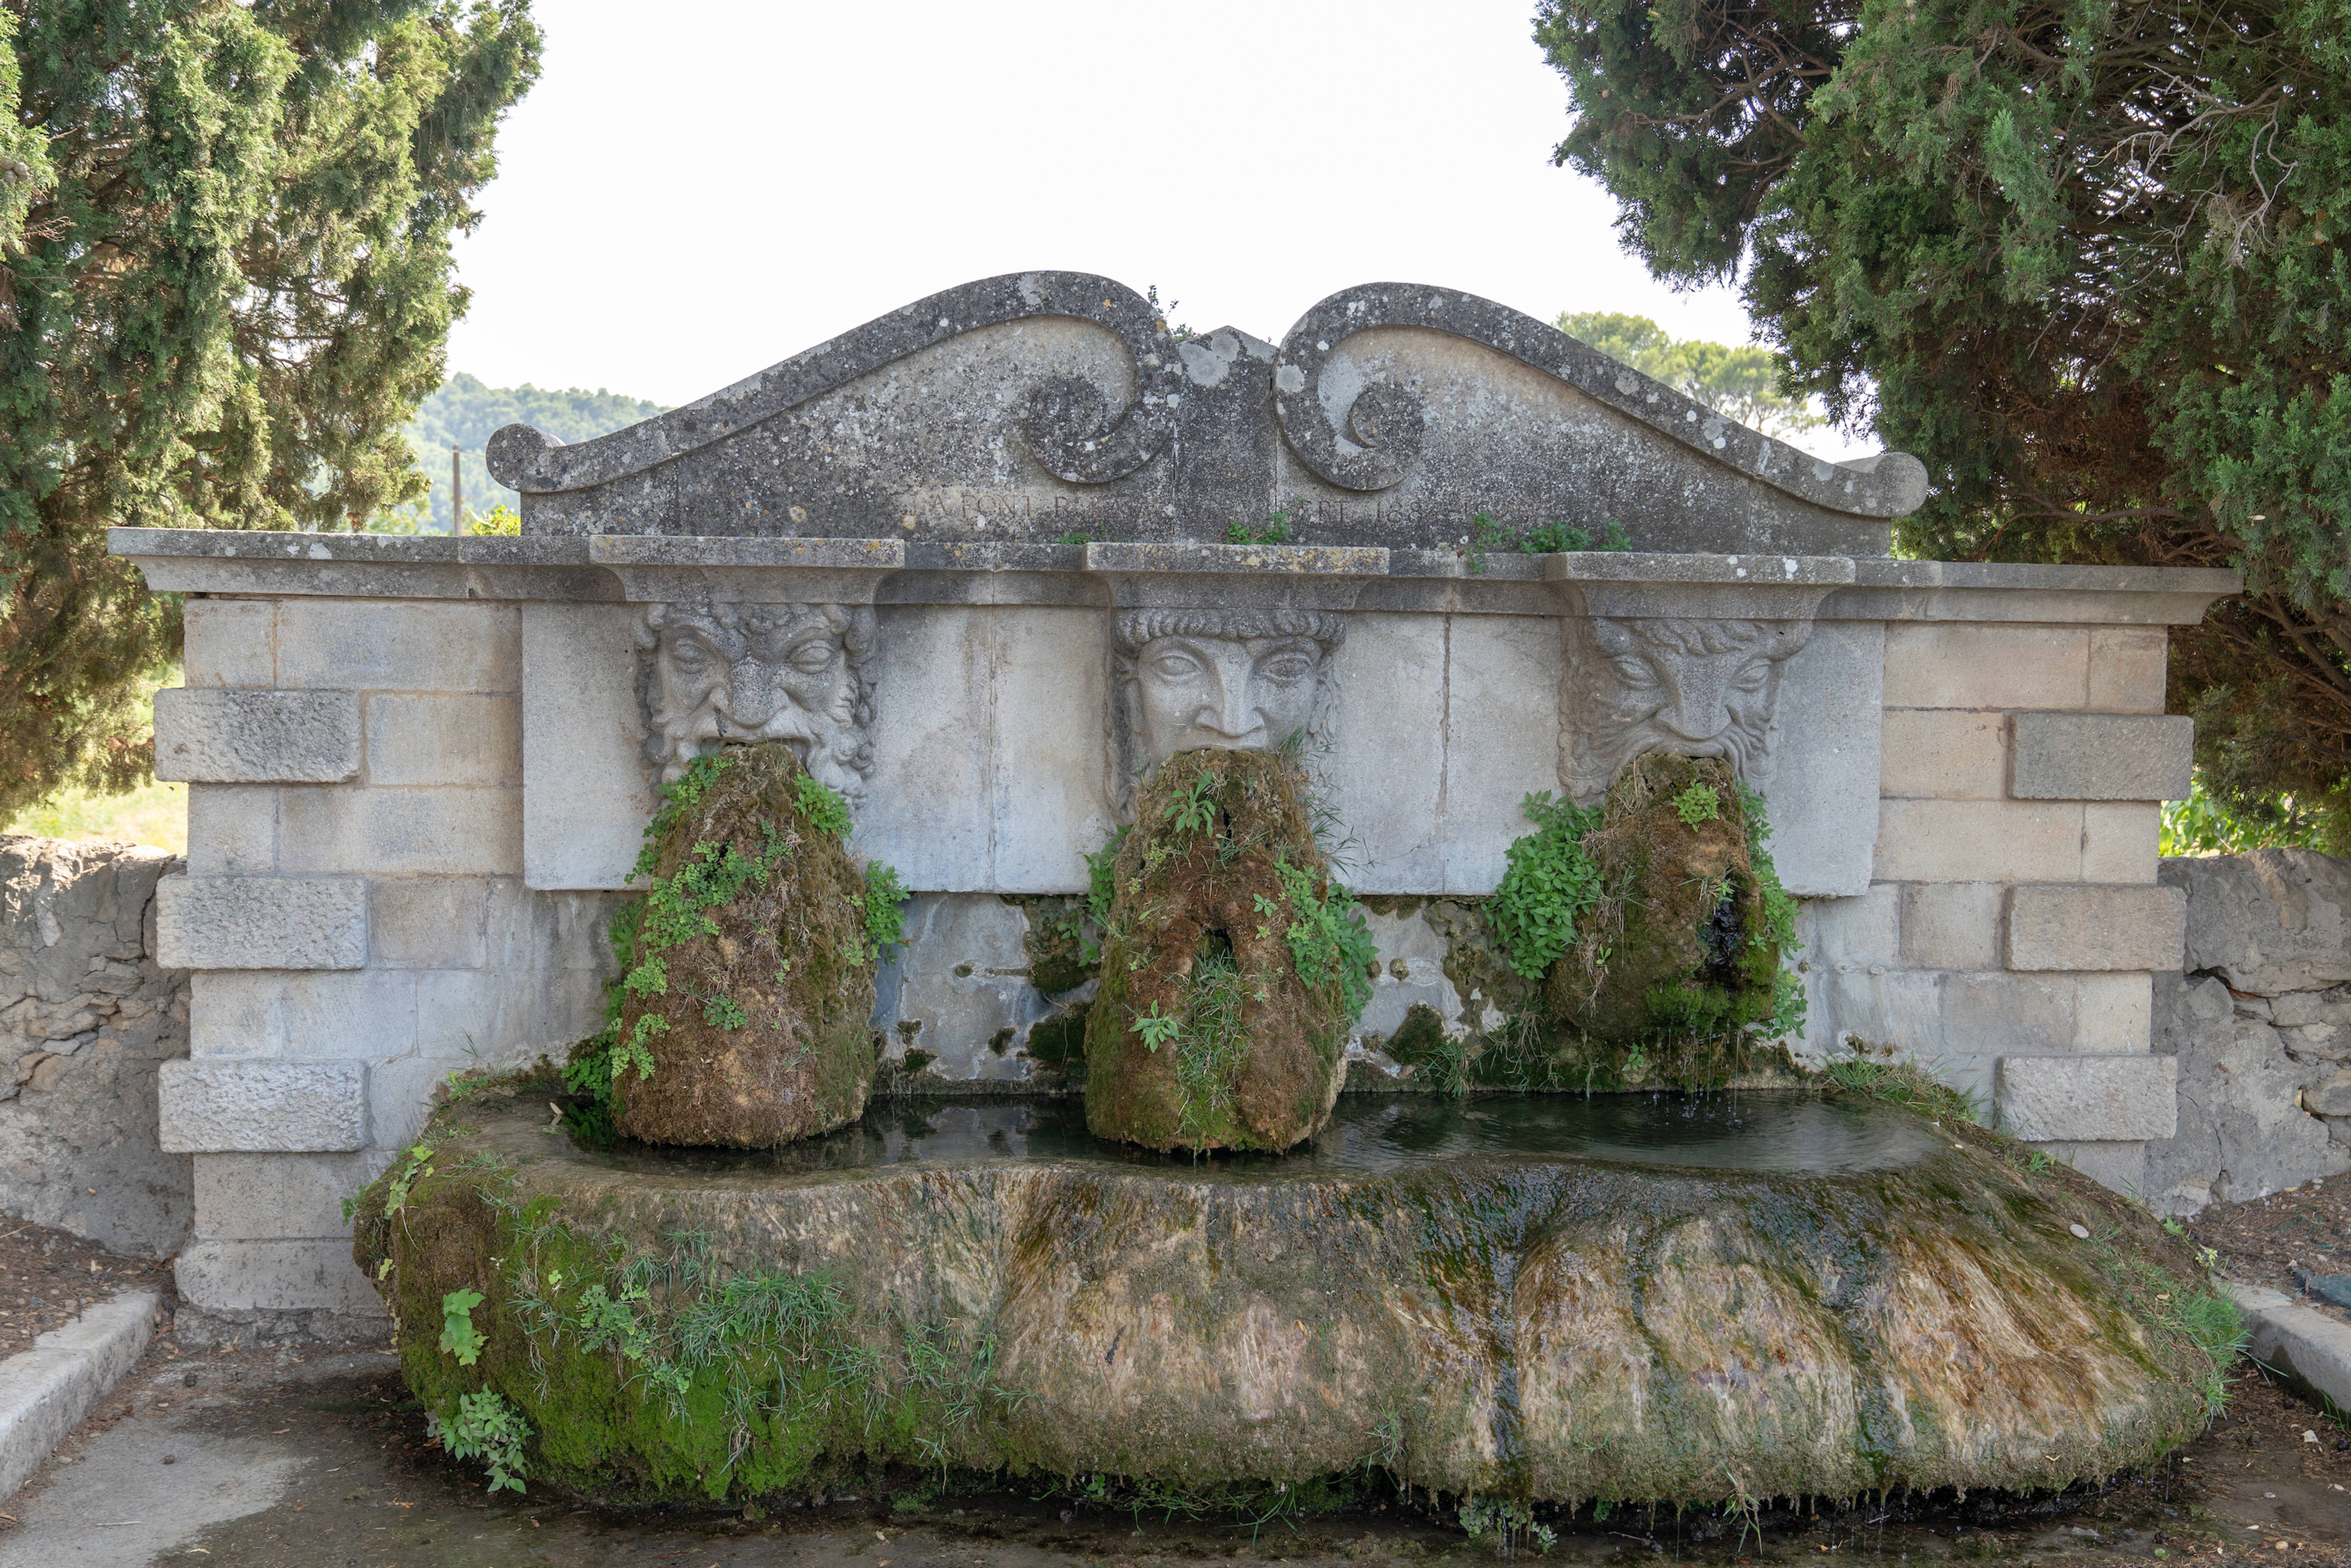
708 674
1235 680
1692 687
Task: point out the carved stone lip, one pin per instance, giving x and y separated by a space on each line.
1360 438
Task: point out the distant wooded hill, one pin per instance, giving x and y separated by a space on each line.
465 412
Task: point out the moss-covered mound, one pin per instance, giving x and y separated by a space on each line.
1232 965
749 996
1677 963
1520 1325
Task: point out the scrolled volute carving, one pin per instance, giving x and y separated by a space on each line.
1385 426
1693 687
710 674
1237 680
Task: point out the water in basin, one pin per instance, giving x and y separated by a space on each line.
1763 1131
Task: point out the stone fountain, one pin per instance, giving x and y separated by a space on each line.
1005 573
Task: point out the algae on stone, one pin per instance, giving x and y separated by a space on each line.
1232 965
1520 1326
1670 973
746 1008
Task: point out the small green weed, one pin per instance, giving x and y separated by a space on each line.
722 1012
1549 884
1696 804
1275 532
883 905
1157 1030
489 1429
1194 809
1327 937
822 808
459 1337
395 1197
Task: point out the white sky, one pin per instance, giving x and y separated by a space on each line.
683 203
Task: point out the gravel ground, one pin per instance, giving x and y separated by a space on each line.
48 1277
2273 1240
319 1460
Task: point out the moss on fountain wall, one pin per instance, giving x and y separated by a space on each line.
744 1012
1232 965
1528 1327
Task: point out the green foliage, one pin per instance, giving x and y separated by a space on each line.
1275 532
224 284
722 1012
883 903
1740 383
1505 1524
2084 259
2204 825
1549 882
459 1336
489 1429
1156 1029
1211 1047
1543 539
1194 809
464 414
677 911
1696 804
499 522
411 1170
1903 1083
822 806
1777 930
1327 938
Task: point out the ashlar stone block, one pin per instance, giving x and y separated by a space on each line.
1951 925
289 1107
1945 754
261 923
1962 665
264 1197
2100 756
275 1276
230 643
2087 1099
224 737
2094 928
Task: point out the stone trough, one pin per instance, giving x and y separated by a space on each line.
1626 1298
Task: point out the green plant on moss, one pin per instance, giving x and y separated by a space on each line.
1548 883
412 1171
1696 804
1157 1030
1777 929
1212 1048
882 903
1903 1083
822 808
489 1428
719 1013
459 1337
1506 1522
1328 940
1564 539
1194 809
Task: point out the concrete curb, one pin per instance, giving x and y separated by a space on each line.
2305 1345
45 1391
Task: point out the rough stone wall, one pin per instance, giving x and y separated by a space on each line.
2259 1022
86 1016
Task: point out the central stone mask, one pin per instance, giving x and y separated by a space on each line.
1693 688
795 672
1234 680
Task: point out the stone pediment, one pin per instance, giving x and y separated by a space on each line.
1054 405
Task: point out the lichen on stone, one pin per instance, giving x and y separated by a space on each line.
1232 964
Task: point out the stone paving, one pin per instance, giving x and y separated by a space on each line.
268 1460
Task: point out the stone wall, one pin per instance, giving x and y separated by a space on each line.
2015 925
2259 1022
86 1016
354 913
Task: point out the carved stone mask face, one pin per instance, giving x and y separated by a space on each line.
1232 680
1237 695
751 672
1692 687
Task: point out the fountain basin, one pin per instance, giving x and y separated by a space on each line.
1630 1298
